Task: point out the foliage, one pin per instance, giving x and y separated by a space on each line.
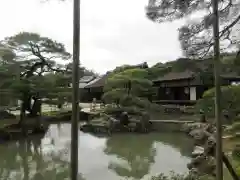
196 36
175 176
57 91
203 69
156 71
29 65
229 102
126 67
8 72
35 56
131 89
235 127
127 86
134 107
131 81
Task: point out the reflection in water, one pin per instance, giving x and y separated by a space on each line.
134 156
136 150
145 155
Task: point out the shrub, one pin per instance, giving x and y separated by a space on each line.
230 101
175 176
236 127
131 89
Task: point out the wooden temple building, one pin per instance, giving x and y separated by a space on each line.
179 88
184 88
94 88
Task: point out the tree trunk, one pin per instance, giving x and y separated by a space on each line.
22 116
35 111
25 105
219 160
75 92
229 167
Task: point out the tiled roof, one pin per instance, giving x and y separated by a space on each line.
176 76
189 74
98 82
86 79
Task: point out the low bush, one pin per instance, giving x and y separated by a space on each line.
230 102
175 176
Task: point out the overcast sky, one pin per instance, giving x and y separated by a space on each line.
113 32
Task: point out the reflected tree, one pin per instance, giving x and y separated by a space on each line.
25 160
23 153
139 152
139 155
196 35
35 56
9 161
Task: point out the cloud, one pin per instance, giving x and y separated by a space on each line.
113 32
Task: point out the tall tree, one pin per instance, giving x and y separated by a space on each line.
196 35
203 36
35 55
218 114
8 72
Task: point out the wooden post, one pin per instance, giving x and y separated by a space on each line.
219 160
75 90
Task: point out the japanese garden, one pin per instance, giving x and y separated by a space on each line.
135 122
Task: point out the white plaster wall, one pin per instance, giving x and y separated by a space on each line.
193 95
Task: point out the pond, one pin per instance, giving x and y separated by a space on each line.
114 158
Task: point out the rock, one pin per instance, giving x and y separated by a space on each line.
197 134
208 166
193 172
185 128
95 128
198 160
197 151
203 164
209 146
124 118
86 128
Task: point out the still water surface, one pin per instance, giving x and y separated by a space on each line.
115 158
